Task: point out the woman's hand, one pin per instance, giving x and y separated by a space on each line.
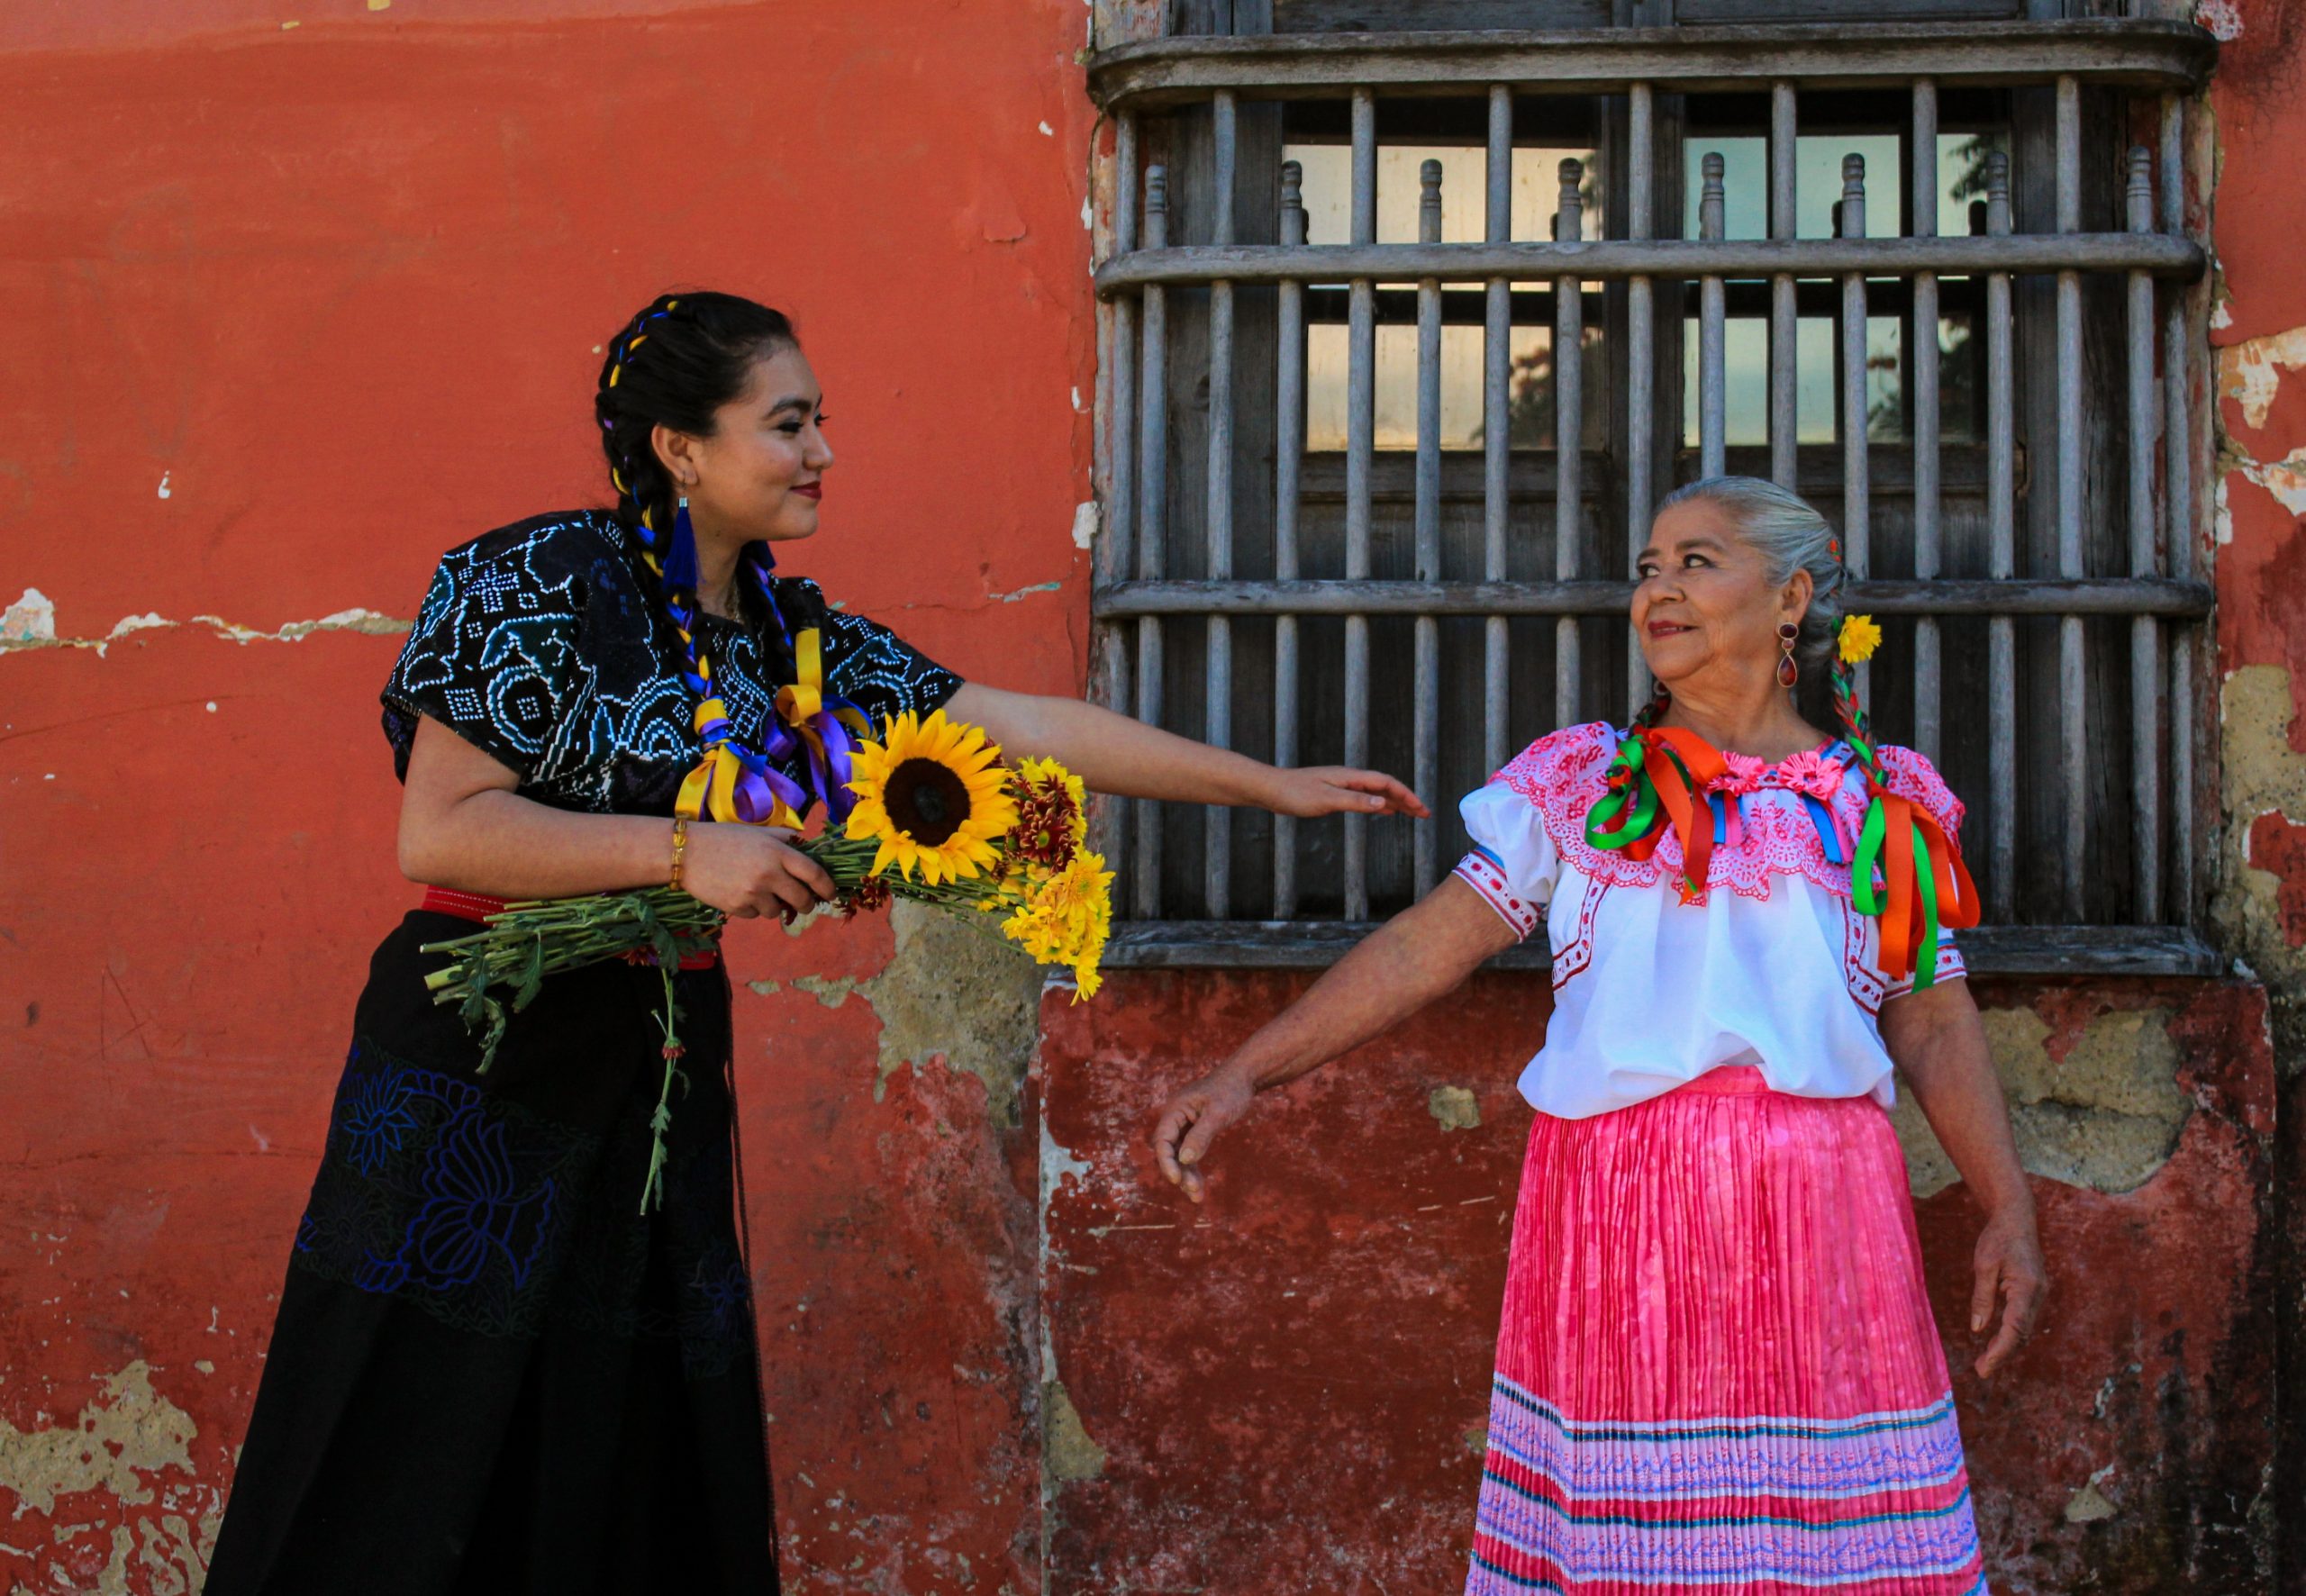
2009 1264
1191 1120
1337 789
746 871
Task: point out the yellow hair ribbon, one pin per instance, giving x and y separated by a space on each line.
802 700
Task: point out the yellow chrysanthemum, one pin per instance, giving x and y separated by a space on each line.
1065 919
1859 638
934 795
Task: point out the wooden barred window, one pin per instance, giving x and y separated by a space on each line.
1357 508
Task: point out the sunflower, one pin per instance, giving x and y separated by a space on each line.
1859 638
933 793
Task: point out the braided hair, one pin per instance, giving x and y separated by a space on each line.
675 364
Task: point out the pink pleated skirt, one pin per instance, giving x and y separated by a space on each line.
1718 1369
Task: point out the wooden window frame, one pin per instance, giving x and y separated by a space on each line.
1180 389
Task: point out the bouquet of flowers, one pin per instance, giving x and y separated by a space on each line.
939 818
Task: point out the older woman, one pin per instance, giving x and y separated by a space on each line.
1718 1367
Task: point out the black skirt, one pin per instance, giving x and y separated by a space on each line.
490 1370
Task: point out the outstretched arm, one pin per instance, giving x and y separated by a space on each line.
1396 970
1935 1037
1114 754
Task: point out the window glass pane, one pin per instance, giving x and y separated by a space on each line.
1817 183
1530 412
1813 380
1328 174
1884 379
1327 171
1745 186
1745 366
1961 179
1957 380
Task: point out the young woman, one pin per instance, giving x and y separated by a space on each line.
1717 1369
490 1372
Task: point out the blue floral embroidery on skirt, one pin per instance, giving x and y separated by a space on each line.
494 1219
432 1189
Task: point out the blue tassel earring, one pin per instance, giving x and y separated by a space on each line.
680 559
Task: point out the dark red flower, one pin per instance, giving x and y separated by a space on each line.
868 896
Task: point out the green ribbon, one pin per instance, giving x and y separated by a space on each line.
1925 958
1629 788
1868 857
1872 902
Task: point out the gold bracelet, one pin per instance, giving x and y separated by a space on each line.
680 847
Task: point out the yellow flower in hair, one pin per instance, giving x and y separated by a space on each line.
1859 638
934 795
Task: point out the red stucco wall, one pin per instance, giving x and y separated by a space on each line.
290 311
1291 1383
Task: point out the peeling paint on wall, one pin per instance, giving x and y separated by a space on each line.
2250 372
2263 774
151 1525
957 992
127 1431
2104 1112
1454 1108
30 623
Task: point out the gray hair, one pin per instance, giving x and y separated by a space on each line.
1790 536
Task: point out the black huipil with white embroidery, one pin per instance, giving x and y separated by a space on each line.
489 1372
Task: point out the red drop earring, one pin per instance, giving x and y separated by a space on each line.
1788 673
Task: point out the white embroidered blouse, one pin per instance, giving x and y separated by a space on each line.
1771 966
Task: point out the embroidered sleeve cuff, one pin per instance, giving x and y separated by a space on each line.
1481 871
1949 968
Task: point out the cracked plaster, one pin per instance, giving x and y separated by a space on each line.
29 622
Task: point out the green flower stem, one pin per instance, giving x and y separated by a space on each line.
495 972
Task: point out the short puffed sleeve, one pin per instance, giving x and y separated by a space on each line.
1514 864
498 653
1911 775
867 664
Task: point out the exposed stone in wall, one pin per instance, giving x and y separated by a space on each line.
129 1448
958 991
1067 1452
2265 777
1454 1108
2101 1109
